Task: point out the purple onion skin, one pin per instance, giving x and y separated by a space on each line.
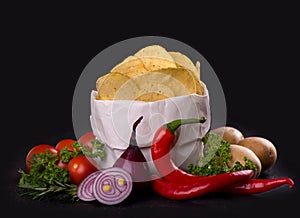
82 191
115 194
134 162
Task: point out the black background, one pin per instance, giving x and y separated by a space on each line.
252 49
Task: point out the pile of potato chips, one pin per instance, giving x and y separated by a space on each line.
151 74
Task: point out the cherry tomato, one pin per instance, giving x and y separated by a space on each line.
41 148
65 142
86 138
80 167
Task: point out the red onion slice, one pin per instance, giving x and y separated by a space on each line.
85 188
112 186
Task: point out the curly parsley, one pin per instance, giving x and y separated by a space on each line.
216 157
45 178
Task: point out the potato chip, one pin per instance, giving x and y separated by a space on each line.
155 57
155 82
150 97
199 88
146 87
169 82
100 80
155 51
111 85
130 66
198 67
184 77
151 74
183 61
129 90
153 63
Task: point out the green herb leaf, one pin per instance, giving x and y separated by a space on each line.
216 157
98 150
68 191
45 177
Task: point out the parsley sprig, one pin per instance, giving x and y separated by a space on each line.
98 149
216 157
46 179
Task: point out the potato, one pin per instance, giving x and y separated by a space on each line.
239 152
229 134
263 148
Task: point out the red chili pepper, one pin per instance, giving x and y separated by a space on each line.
192 189
254 186
162 143
179 181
